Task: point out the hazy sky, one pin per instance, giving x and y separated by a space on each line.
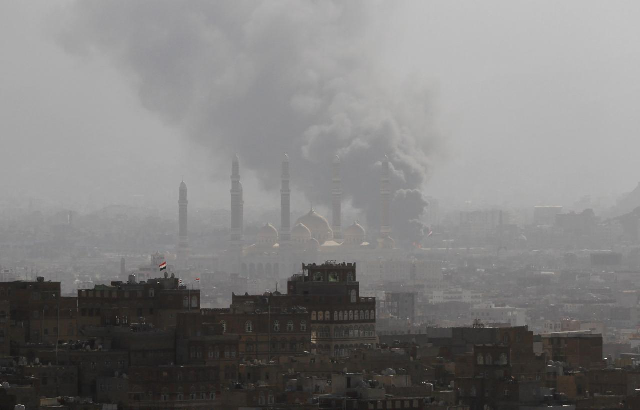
534 102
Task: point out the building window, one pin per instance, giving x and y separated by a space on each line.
372 315
353 296
194 301
290 326
480 359
349 277
355 315
340 317
224 326
151 293
313 315
185 301
488 359
320 316
248 326
335 315
303 325
276 326
327 315
351 315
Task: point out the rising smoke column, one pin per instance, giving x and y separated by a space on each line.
285 76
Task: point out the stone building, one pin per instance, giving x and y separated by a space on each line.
341 319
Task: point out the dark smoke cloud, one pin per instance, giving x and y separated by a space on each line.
263 78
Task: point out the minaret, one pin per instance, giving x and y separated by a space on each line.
336 198
237 204
285 202
183 236
385 196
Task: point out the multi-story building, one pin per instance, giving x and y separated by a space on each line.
156 301
37 312
267 325
577 349
400 305
341 319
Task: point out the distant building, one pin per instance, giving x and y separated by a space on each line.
401 305
546 214
490 313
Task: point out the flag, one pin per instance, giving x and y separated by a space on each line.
197 279
430 233
163 265
180 281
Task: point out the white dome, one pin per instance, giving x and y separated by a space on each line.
318 225
267 235
300 233
354 234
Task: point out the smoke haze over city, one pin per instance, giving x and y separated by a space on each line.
488 103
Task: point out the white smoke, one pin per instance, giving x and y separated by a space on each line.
260 78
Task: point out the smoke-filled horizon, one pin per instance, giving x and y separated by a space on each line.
108 102
259 79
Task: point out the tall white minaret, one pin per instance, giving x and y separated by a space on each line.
285 202
183 236
237 205
336 198
385 196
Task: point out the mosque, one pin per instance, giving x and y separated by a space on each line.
279 253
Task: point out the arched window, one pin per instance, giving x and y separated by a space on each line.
366 314
340 315
503 359
320 315
351 315
303 325
248 326
290 326
353 296
488 359
480 359
346 315
313 315
355 315
261 399
335 315
349 277
372 315
276 326
194 301
327 315
361 314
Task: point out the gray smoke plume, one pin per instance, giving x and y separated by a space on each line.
260 78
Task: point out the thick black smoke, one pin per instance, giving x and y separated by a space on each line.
260 78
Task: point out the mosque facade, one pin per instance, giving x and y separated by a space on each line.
278 253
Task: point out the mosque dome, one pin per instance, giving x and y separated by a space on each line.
268 234
300 233
318 225
387 243
354 234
